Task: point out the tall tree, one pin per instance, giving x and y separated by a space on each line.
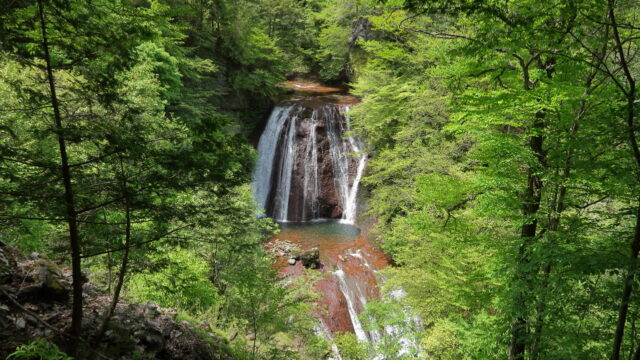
71 218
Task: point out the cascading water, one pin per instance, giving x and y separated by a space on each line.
266 148
309 167
354 297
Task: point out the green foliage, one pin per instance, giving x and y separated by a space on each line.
349 346
38 350
336 21
220 273
451 121
181 283
397 331
502 179
155 100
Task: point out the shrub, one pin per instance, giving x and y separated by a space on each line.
39 350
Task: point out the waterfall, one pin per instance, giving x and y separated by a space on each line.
283 190
309 165
309 168
266 150
310 189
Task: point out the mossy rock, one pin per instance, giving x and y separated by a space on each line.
51 279
311 258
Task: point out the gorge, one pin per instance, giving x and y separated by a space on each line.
307 178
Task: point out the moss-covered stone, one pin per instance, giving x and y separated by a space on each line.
51 279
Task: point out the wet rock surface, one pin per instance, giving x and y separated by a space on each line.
347 273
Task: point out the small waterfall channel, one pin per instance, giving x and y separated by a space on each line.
306 178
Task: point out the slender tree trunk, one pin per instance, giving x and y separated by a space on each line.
633 338
530 207
554 223
109 274
635 242
558 207
636 356
74 236
626 292
255 336
125 257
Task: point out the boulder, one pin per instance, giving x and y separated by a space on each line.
151 309
21 323
310 258
150 335
51 280
49 283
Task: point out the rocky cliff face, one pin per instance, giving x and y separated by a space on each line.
313 168
328 202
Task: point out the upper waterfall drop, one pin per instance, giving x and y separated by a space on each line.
309 166
266 148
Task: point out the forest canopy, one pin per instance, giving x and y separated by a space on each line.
502 177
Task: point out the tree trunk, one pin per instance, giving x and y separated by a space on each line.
255 337
558 207
636 356
635 243
531 205
74 237
626 292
